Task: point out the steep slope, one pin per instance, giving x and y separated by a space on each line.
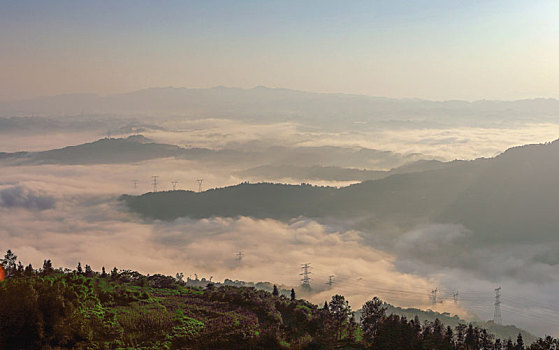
515 196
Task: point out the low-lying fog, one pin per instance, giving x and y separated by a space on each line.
71 213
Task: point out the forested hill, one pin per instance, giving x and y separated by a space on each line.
82 309
402 196
512 194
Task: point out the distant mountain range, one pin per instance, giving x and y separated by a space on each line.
273 104
514 195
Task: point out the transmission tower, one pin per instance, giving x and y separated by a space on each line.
330 280
154 182
434 296
306 280
455 297
174 183
135 182
497 314
200 184
240 256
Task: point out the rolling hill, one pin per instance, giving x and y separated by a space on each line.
515 194
138 148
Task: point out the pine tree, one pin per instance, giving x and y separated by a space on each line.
325 307
88 271
79 268
20 269
47 268
292 294
114 273
9 263
103 272
449 338
28 271
276 291
519 342
498 344
372 313
341 313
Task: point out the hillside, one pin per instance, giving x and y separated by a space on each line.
509 195
51 309
138 148
500 331
398 197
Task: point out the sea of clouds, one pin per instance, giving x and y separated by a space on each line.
71 214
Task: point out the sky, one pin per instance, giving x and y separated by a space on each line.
405 49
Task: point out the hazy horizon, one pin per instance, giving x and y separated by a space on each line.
220 86
486 49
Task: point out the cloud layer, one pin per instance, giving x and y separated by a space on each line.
21 197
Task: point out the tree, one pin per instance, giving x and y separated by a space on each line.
47 268
21 323
486 339
276 291
472 337
519 342
20 269
9 263
292 294
340 313
79 268
179 276
88 271
498 345
103 272
373 312
352 328
114 273
29 271
325 307
449 338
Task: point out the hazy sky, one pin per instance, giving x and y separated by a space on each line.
428 49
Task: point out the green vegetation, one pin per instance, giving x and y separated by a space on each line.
83 309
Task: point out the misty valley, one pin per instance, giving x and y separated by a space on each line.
215 212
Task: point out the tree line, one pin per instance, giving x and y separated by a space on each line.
50 308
